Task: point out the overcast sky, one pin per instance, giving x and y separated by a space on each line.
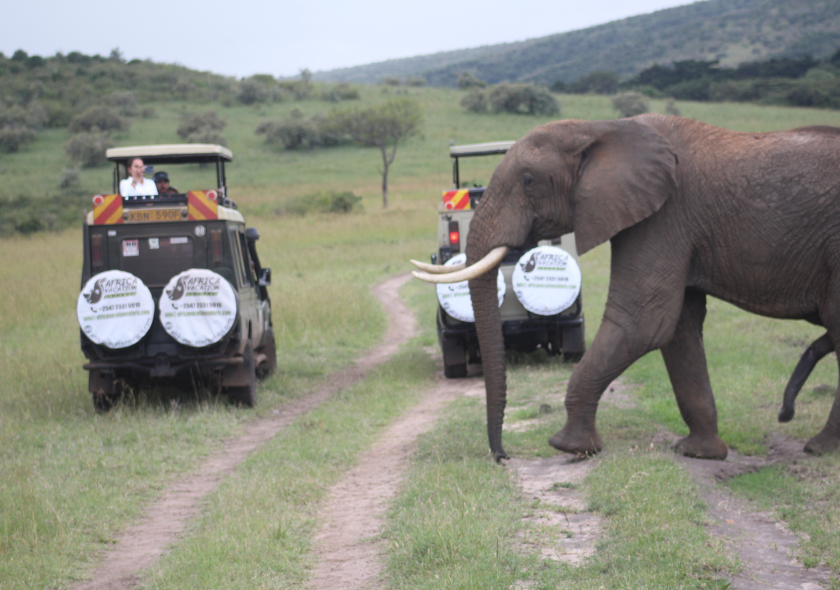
244 37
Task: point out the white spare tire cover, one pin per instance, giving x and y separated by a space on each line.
546 280
198 307
455 299
115 309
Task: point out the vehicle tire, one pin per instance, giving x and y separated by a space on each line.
574 344
245 395
269 349
454 358
105 390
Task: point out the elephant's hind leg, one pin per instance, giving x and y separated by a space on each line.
828 438
685 359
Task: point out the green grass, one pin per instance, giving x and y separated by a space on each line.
72 478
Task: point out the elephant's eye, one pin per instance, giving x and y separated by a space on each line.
528 181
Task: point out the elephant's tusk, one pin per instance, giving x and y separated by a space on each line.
492 258
438 269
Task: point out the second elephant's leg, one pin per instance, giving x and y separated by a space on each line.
685 359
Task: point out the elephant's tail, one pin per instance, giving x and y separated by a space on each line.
812 355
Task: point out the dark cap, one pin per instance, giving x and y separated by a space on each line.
160 176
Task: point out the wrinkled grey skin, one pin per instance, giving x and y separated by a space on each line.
691 210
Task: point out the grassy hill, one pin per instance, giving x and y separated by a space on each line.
732 31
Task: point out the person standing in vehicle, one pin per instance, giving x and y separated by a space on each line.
135 185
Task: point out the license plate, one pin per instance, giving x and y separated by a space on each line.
151 215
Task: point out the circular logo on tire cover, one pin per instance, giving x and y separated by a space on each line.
115 309
546 280
198 307
455 297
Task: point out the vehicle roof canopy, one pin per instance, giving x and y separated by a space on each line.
480 149
179 153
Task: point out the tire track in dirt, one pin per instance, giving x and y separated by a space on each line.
348 552
765 546
140 545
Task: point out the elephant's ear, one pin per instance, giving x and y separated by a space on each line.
626 174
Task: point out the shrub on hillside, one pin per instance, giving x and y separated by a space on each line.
467 81
630 104
125 101
475 101
204 127
416 81
391 81
528 99
99 118
321 202
13 136
88 149
252 91
339 92
296 132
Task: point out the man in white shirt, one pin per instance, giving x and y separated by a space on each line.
135 185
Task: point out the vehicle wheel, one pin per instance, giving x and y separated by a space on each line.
454 358
269 349
245 395
574 344
105 389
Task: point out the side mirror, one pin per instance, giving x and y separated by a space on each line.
251 234
265 277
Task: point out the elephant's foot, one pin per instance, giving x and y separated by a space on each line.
824 442
580 441
702 447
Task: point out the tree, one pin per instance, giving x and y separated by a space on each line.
382 127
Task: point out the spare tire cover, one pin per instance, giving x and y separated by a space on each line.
115 309
455 299
546 280
198 307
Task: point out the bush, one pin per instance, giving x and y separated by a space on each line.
295 132
528 99
252 91
416 81
100 118
671 108
596 83
321 202
391 81
70 180
125 101
630 104
339 92
467 81
13 136
475 101
88 149
204 127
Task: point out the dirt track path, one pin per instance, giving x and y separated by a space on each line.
141 544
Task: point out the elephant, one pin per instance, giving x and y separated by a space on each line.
690 210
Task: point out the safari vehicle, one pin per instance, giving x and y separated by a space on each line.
172 286
557 327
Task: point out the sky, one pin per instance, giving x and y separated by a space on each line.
244 37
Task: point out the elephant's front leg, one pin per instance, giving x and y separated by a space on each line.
685 360
613 350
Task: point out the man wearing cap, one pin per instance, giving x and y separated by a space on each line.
162 181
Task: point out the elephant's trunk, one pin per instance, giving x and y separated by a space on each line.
488 324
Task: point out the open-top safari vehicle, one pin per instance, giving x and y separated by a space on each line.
539 285
172 286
